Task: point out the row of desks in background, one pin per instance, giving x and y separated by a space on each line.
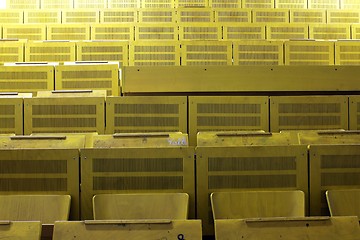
93 111
154 54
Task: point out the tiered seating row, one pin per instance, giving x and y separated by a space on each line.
302 4
91 111
159 162
172 31
180 15
187 53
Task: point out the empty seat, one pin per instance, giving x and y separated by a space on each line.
257 204
44 208
140 206
344 202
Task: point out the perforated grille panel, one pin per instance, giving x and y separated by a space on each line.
134 170
11 114
233 15
22 31
26 78
270 16
157 15
355 31
195 15
225 4
291 4
354 112
287 31
146 114
45 115
343 16
200 32
68 32
227 114
247 168
308 112
80 16
309 53
7 119
159 53
253 4
329 31
23 4
41 171
258 53
191 3
112 32
123 4
118 16
323 4
251 31
50 51
11 16
307 16
332 167
57 4
83 76
95 4
350 4
103 51
156 31
11 51
42 16
158 4
347 53
206 53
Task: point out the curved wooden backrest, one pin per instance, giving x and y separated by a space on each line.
141 206
345 202
257 204
44 208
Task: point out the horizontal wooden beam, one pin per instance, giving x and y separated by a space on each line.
233 79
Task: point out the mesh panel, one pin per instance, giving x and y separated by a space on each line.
291 4
323 4
309 53
30 32
155 54
112 32
206 53
138 183
33 184
235 16
258 4
118 16
32 166
312 113
11 16
138 165
271 16
251 163
258 53
191 3
225 3
246 32
252 181
123 4
307 16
